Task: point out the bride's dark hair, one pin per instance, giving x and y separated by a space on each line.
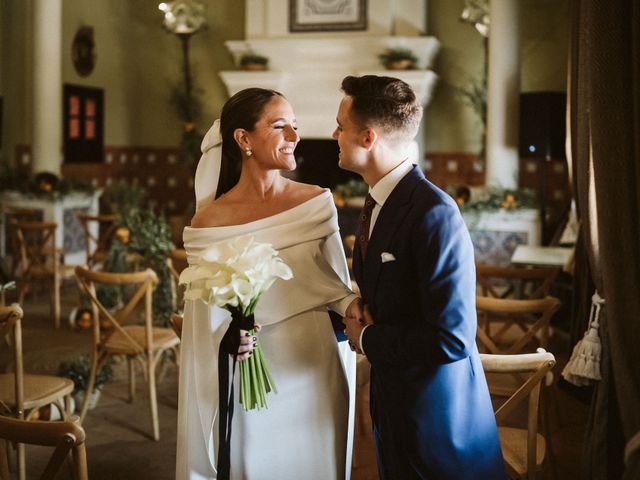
243 110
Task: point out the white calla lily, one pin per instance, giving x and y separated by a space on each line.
233 274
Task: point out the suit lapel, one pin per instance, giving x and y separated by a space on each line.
391 216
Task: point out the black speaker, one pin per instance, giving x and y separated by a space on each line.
542 124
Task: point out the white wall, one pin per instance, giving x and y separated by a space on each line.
270 18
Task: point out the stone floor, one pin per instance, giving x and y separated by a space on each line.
119 445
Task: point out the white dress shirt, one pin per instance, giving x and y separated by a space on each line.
380 193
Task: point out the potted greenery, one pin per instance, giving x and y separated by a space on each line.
350 194
3 289
398 59
78 371
253 62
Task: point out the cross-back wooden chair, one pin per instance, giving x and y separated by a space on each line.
523 449
176 262
21 395
349 243
66 437
498 318
518 283
19 215
144 343
97 245
41 263
176 321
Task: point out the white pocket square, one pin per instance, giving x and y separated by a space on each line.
387 257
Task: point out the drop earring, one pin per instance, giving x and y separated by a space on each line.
248 152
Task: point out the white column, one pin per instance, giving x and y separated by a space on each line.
503 90
47 85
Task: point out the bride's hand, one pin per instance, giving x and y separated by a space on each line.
247 343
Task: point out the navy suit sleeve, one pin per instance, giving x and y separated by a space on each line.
445 328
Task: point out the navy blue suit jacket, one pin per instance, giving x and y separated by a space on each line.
430 405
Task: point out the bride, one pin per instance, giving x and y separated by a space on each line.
307 430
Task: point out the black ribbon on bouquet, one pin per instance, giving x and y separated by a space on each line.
228 346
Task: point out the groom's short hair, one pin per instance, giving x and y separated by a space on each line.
386 103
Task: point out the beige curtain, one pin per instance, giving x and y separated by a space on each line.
604 118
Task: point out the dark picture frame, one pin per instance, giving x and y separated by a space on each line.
327 15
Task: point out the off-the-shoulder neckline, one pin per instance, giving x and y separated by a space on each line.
275 215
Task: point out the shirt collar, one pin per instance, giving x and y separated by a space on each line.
381 190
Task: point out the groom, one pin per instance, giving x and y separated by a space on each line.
413 261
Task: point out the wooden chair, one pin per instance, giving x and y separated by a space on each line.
518 283
176 323
19 215
144 343
67 438
523 449
97 246
530 317
349 243
21 395
176 262
40 261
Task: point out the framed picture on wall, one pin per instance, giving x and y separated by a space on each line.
327 15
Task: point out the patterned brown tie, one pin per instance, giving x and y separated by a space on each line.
365 222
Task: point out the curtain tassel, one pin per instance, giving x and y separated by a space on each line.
583 367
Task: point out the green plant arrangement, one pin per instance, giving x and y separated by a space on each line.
188 106
495 199
119 197
3 289
398 59
474 94
41 185
353 188
78 371
253 61
350 189
142 240
7 286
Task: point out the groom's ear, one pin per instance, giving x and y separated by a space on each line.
369 138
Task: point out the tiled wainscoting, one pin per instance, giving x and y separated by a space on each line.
169 183
168 180
451 169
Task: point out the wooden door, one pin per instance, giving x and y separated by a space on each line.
83 124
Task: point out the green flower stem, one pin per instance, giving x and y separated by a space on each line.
254 384
247 386
255 380
266 371
261 389
241 389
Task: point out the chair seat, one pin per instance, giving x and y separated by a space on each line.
41 271
45 271
162 338
514 449
38 390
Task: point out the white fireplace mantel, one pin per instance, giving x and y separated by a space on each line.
308 71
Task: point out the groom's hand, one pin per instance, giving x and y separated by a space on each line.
355 320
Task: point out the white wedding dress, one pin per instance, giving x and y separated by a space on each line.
307 431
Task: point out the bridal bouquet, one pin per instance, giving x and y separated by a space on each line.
233 275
